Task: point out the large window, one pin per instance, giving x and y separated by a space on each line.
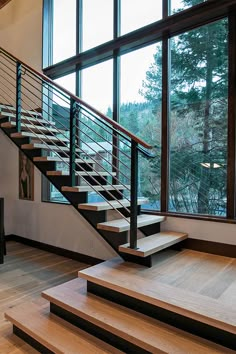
167 81
198 120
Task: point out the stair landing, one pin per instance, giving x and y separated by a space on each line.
182 283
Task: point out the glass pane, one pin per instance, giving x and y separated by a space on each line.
97 86
139 13
95 136
140 113
64 30
198 120
97 22
180 5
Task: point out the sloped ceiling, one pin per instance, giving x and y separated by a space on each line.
3 3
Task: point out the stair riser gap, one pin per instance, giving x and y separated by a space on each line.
46 166
112 195
96 180
31 341
150 229
187 324
96 331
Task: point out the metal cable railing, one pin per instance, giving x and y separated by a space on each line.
83 134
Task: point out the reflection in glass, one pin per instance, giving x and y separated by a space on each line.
64 30
198 121
97 22
136 14
140 112
179 5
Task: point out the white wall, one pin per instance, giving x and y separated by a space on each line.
60 225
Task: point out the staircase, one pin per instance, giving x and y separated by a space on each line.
84 153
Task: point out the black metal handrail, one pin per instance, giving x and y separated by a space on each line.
44 88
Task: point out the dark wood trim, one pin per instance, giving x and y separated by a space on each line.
164 125
231 116
175 24
53 249
220 249
191 216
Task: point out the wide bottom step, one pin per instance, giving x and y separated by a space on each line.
50 334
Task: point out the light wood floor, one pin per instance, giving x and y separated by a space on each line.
24 275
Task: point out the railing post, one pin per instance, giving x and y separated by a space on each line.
72 141
18 96
134 195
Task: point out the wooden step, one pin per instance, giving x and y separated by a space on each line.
133 327
61 159
53 148
154 243
31 127
78 189
42 146
54 333
137 282
81 173
39 137
113 204
12 118
12 109
121 225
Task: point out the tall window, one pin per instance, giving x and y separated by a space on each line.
140 112
180 5
198 120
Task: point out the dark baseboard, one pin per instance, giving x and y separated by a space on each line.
220 249
53 249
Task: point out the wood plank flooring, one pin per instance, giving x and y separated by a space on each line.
24 275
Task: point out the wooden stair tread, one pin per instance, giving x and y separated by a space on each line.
11 109
98 206
33 146
123 277
39 136
12 118
77 189
121 225
54 333
81 173
59 159
154 243
33 127
127 324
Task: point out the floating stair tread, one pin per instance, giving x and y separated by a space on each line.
154 243
40 120
54 333
39 136
33 127
11 109
112 204
59 159
33 146
103 188
121 225
124 278
143 331
81 173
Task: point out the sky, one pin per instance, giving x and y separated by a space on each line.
97 81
